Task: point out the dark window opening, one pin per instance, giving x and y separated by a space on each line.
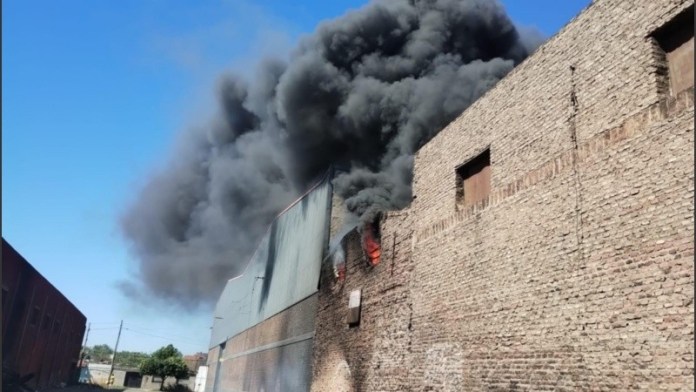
370 240
473 180
676 41
35 314
46 322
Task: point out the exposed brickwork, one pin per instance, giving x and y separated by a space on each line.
374 355
576 273
526 117
666 108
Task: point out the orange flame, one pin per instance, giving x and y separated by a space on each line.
340 272
371 246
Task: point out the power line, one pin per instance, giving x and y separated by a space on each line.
173 337
155 330
190 342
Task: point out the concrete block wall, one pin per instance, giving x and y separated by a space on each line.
151 383
576 273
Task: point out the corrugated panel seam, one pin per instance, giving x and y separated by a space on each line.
281 343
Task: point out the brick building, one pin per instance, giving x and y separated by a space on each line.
549 245
41 329
194 361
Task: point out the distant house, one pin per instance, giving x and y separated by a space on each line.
98 374
194 361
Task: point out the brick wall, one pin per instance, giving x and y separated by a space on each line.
373 355
576 273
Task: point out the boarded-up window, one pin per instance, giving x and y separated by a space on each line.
676 39
474 180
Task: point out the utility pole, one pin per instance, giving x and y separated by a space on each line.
84 345
113 359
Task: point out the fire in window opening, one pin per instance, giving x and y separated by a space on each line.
337 249
370 242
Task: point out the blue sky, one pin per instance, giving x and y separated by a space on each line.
94 94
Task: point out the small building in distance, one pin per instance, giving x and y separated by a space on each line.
42 330
194 361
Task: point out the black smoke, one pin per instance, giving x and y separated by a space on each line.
365 91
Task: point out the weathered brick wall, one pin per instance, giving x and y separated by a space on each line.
373 355
576 273
577 276
527 117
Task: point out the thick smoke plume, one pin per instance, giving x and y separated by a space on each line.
364 92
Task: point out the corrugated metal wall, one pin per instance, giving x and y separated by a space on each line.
264 320
274 355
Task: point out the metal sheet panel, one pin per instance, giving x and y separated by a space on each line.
284 270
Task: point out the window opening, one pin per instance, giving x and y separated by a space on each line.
676 40
473 180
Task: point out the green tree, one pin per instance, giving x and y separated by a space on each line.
131 359
99 353
163 363
167 351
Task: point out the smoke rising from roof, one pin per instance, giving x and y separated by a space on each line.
365 91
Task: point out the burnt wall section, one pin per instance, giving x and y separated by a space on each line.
284 269
263 323
41 329
273 355
373 355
